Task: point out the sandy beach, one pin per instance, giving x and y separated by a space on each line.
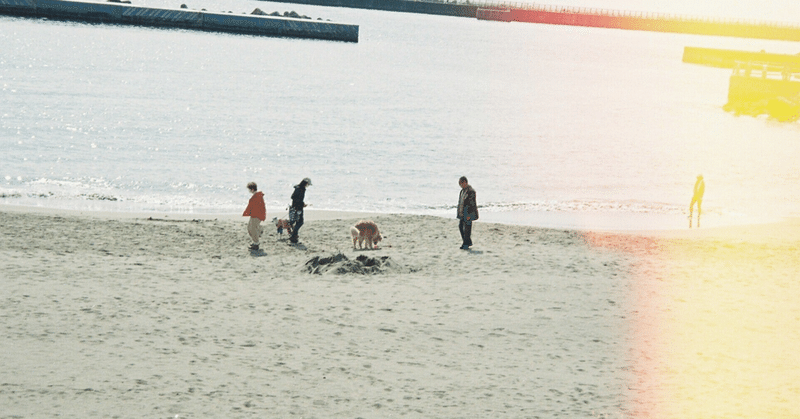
113 316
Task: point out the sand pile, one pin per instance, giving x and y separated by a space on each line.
340 264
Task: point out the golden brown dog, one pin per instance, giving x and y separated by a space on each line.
366 231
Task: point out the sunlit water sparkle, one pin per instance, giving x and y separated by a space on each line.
545 120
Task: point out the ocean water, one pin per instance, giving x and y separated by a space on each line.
554 126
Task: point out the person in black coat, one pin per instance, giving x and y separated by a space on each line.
296 209
467 212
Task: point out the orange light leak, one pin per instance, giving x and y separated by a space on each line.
640 21
715 327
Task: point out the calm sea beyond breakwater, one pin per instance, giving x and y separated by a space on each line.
546 121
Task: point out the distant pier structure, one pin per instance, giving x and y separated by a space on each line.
725 58
642 21
761 83
573 16
125 14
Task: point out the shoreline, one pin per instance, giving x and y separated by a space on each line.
785 229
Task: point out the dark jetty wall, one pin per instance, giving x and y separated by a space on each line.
572 16
116 13
655 22
640 21
408 6
724 58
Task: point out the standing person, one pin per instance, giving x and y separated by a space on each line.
296 210
257 212
467 212
699 190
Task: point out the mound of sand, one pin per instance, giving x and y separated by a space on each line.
340 264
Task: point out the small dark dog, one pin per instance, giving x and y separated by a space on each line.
281 224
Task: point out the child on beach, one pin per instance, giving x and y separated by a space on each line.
257 211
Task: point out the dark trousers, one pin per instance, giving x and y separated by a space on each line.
296 221
465 227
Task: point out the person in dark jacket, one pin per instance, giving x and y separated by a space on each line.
296 209
467 212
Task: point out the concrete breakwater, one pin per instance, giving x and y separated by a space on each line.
724 58
762 82
574 16
408 6
759 92
642 21
116 13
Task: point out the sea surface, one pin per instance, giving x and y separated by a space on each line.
553 125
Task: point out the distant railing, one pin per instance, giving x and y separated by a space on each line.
619 13
766 70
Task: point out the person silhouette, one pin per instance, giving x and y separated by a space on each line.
296 209
467 212
257 211
699 190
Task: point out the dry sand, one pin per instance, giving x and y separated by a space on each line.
162 318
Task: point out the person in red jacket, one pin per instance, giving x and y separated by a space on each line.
257 212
